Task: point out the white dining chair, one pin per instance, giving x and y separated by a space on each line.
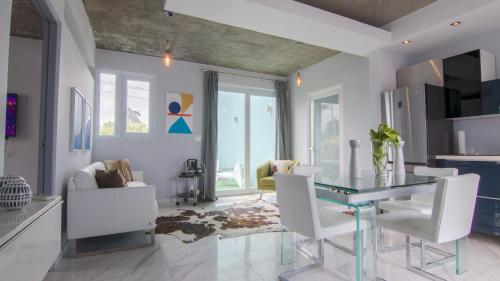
451 220
299 213
421 202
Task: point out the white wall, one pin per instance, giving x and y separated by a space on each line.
78 23
25 78
159 155
482 134
363 79
74 71
5 11
358 105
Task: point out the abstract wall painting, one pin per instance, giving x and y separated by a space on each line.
81 122
180 113
87 126
77 101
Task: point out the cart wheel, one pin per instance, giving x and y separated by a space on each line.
185 199
177 203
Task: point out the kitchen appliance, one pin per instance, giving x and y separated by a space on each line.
418 113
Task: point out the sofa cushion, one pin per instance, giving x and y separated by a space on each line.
109 179
135 183
85 178
267 181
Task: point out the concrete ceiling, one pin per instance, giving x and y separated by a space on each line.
26 21
373 12
140 27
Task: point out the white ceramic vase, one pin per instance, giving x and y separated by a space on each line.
399 160
354 166
15 193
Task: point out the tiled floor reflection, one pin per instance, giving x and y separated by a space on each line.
257 258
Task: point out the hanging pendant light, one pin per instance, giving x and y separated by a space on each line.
167 58
298 77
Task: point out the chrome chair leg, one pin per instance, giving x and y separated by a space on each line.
317 262
423 264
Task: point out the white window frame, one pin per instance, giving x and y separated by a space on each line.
248 92
121 104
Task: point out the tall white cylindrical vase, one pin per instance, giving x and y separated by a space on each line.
354 165
399 159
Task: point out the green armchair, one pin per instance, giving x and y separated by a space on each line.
265 180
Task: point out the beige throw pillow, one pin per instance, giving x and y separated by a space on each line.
280 166
125 166
122 166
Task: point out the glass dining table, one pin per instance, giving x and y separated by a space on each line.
361 196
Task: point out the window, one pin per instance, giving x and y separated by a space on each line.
107 100
137 106
124 104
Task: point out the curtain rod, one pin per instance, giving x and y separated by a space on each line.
241 75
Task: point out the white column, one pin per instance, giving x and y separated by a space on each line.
5 11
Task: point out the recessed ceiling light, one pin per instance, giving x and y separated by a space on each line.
456 23
406 42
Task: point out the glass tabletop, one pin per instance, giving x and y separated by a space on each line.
368 183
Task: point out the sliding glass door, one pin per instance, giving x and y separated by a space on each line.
262 133
246 137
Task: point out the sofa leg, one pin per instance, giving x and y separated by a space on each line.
262 193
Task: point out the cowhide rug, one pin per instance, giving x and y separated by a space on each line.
229 221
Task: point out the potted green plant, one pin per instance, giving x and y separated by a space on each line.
381 139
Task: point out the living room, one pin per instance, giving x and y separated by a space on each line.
163 140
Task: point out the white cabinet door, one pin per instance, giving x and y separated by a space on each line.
30 254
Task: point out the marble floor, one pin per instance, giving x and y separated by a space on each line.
257 258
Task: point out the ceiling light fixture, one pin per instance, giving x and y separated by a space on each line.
406 42
298 77
167 58
456 23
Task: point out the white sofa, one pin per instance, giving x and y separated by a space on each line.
97 212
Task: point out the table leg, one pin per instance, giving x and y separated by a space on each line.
462 259
366 240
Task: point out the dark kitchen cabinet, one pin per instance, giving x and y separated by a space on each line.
491 97
487 212
462 83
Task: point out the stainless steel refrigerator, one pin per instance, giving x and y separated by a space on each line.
419 113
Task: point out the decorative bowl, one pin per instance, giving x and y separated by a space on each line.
15 193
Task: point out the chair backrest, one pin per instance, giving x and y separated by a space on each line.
297 203
307 170
454 205
428 198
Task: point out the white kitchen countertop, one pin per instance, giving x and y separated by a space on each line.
484 158
13 222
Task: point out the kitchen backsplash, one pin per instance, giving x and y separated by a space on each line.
481 134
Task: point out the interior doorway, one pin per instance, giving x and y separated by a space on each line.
32 99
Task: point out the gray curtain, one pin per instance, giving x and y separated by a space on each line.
283 122
209 138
